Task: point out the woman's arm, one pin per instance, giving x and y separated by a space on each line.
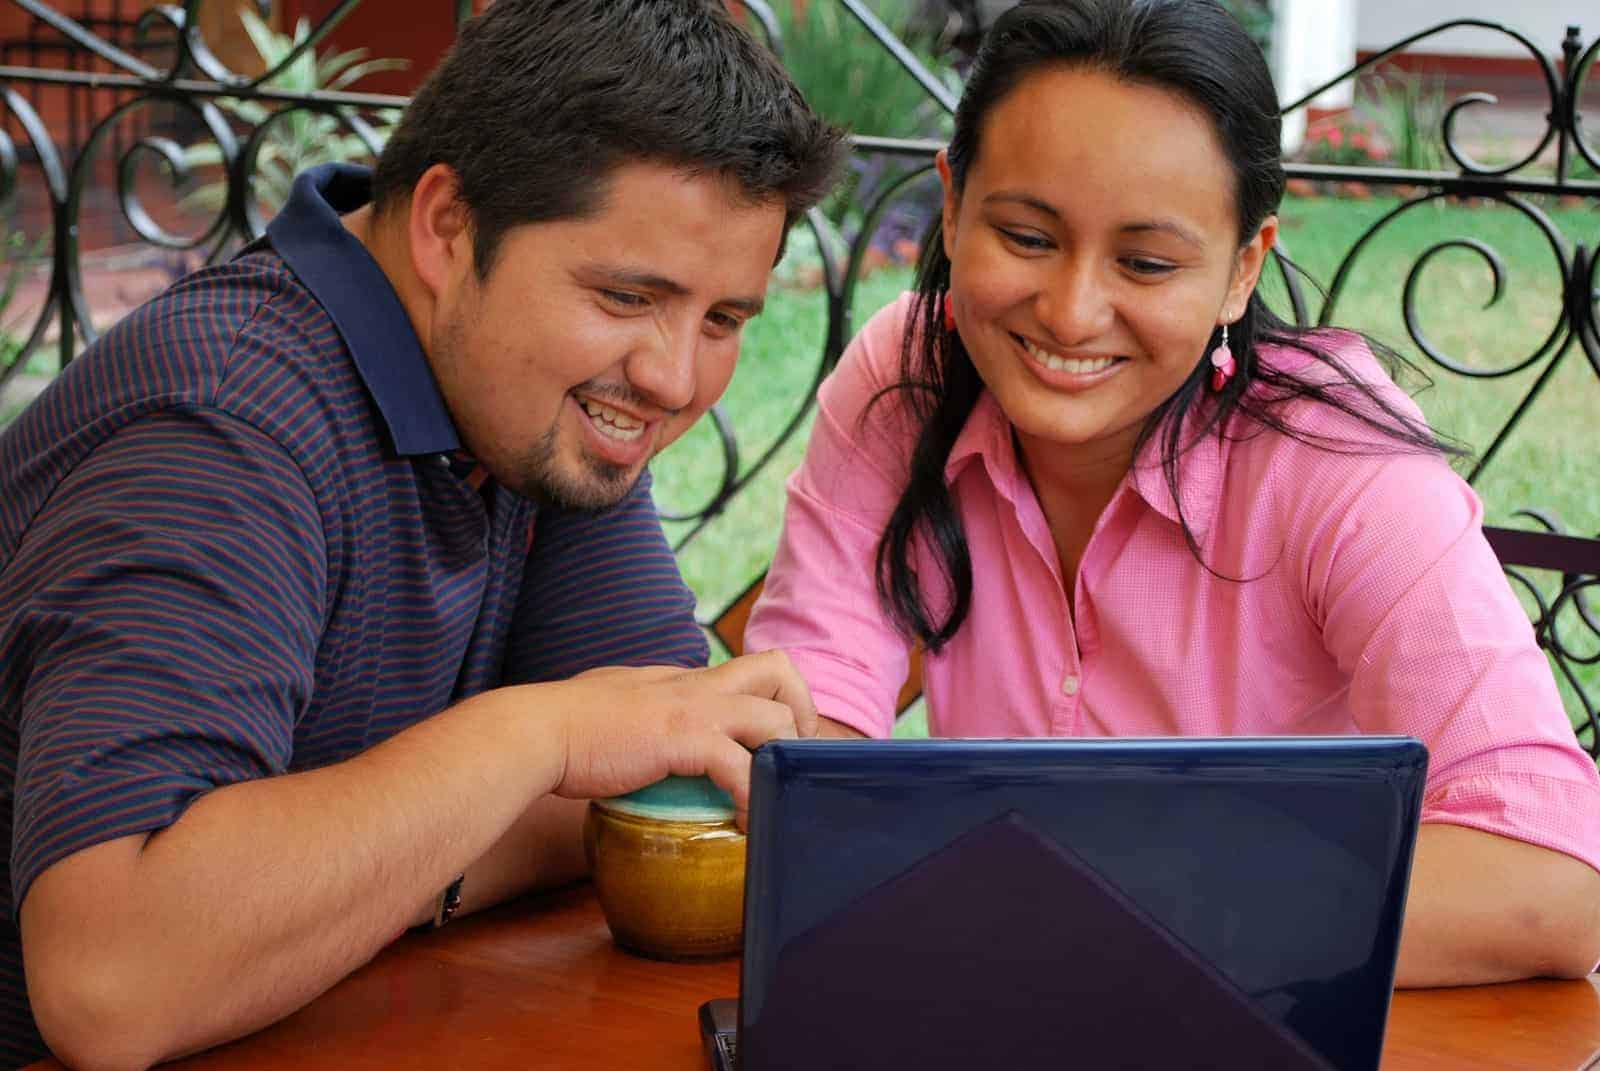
820 602
838 730
1485 908
1416 610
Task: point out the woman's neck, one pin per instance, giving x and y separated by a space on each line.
1087 475
1073 486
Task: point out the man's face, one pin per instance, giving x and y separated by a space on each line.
593 343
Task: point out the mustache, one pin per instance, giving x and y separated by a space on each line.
621 395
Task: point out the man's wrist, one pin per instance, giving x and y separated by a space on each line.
448 904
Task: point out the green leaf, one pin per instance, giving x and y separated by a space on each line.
252 112
304 136
203 154
268 43
361 70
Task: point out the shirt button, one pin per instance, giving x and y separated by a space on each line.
1070 685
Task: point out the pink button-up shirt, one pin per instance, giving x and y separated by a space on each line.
1372 602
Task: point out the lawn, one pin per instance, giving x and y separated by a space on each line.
1547 463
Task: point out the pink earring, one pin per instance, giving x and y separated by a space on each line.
949 314
1222 366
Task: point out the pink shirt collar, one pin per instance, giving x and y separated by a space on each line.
986 438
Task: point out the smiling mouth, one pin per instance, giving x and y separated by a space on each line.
1080 366
612 423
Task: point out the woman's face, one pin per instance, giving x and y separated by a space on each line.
1093 252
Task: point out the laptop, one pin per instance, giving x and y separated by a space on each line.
1107 903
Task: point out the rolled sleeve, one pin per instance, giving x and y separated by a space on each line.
160 618
820 603
1416 608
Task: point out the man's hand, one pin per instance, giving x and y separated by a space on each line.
627 728
544 847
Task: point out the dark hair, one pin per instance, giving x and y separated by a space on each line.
1196 49
538 101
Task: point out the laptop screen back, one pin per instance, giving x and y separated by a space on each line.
1115 902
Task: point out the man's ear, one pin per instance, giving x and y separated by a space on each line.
1247 269
439 226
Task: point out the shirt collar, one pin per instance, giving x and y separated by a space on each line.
986 439
344 278
1200 465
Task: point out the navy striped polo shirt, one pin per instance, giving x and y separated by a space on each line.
231 546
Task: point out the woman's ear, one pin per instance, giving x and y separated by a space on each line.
952 203
1247 269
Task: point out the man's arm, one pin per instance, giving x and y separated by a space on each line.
542 849
266 893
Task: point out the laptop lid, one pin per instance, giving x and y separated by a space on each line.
1105 903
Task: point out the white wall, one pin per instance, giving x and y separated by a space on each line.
1315 40
1312 41
1380 23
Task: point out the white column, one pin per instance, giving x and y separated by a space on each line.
1312 41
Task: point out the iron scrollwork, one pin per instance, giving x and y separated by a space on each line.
191 85
1560 600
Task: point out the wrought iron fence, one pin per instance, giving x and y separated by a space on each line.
1554 570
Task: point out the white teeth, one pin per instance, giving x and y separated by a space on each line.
612 432
612 423
1067 364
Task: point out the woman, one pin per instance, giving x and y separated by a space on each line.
1111 494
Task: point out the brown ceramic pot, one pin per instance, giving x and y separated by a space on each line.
670 888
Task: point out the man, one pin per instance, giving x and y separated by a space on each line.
275 553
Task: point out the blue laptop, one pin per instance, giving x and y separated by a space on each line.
1173 903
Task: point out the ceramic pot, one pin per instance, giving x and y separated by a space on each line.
668 867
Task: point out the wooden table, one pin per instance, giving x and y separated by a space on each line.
538 984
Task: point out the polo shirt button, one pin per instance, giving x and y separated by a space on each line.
1070 685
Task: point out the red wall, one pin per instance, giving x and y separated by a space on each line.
69 115
421 36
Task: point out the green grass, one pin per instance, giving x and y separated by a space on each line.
1547 463
40 365
781 355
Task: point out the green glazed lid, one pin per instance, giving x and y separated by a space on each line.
677 799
